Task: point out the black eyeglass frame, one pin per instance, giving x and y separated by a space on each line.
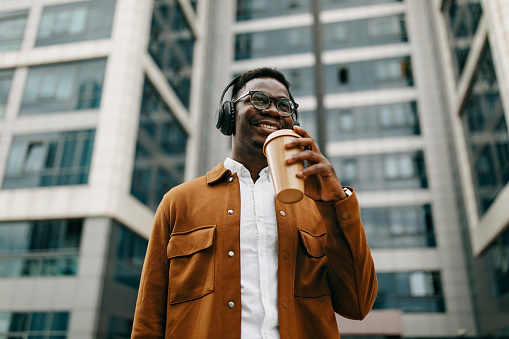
250 93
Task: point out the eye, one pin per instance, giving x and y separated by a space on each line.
260 99
285 106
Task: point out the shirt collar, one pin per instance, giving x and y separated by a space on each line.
241 170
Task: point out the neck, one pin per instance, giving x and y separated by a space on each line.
253 164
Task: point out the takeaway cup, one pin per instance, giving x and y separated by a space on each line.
289 188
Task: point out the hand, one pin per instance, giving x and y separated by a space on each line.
320 179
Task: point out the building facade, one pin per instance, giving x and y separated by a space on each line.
107 104
96 124
473 42
399 86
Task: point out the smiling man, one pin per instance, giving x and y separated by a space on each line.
227 260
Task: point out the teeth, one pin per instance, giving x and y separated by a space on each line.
268 126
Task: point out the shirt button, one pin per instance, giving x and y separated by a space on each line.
231 254
282 213
285 304
285 255
230 212
345 215
230 179
231 304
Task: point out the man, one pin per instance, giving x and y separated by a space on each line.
227 260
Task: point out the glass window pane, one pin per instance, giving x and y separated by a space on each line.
46 26
19 322
418 284
48 86
34 157
12 28
68 155
65 84
406 166
60 321
62 21
78 20
39 322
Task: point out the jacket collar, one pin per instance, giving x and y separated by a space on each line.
217 173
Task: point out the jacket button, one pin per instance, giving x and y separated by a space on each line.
282 213
231 254
285 304
230 179
285 255
345 215
231 304
230 212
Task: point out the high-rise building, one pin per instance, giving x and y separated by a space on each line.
107 104
404 100
472 36
96 124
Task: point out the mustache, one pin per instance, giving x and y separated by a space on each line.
257 120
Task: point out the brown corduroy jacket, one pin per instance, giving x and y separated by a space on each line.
190 286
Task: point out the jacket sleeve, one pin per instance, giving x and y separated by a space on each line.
150 313
351 270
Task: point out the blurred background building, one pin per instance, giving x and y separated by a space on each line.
107 104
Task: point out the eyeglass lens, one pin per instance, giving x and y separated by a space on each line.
262 100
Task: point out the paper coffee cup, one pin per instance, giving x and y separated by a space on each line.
289 188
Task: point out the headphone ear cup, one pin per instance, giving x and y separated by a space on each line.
226 118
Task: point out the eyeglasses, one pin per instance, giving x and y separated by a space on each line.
261 100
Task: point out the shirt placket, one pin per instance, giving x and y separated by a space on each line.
263 254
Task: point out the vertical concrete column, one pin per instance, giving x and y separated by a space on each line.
115 139
92 261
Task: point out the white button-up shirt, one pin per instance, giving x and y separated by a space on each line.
258 253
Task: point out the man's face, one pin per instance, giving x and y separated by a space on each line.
252 126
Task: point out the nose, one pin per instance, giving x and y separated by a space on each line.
272 109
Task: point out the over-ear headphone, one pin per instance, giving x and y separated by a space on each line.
226 112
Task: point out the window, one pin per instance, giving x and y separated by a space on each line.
130 251
368 75
411 292
340 32
389 70
160 136
386 27
293 39
172 46
331 4
34 325
63 87
249 9
399 227
259 43
5 87
486 133
343 75
398 166
386 171
39 248
288 41
12 28
349 173
49 159
462 18
87 20
380 121
496 258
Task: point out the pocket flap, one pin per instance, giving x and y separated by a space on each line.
189 242
314 244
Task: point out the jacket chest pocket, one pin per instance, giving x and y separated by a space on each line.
311 267
192 264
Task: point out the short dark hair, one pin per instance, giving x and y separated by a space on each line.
263 72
